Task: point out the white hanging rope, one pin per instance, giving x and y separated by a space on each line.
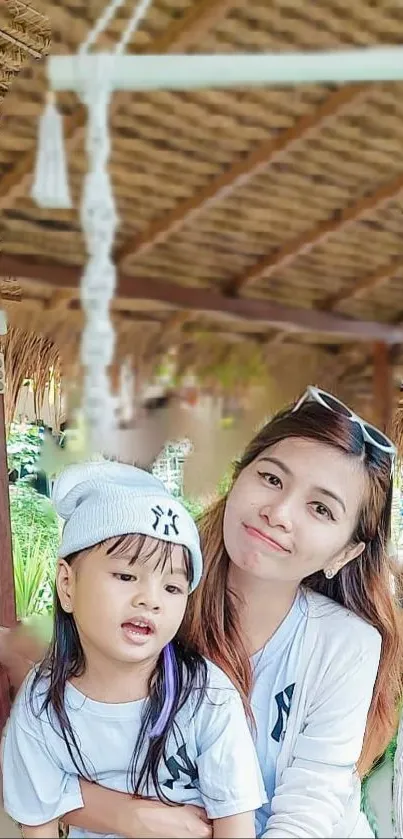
139 13
104 20
99 222
100 25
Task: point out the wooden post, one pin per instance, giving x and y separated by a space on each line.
383 386
7 591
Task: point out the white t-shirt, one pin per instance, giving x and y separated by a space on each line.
275 668
213 764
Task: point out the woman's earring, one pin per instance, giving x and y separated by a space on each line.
329 573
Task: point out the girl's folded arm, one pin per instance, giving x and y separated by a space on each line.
109 811
50 830
241 826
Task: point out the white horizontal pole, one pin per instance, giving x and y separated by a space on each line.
184 72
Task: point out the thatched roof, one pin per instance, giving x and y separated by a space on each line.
233 204
24 34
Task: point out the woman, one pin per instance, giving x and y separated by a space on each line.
297 607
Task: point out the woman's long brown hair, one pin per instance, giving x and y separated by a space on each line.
365 586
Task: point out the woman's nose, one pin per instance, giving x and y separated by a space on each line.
278 514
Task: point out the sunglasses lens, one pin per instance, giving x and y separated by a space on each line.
378 437
335 405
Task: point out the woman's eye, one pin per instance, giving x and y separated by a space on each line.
323 511
271 479
125 578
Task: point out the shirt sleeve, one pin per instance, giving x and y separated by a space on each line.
230 781
36 789
315 787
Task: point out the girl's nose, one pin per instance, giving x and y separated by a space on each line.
147 598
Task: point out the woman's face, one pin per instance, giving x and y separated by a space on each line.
293 511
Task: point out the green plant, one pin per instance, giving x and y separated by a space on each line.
194 506
23 447
31 513
32 576
35 531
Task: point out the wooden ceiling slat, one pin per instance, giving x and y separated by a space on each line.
365 284
242 170
308 240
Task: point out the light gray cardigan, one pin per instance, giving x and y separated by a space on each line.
318 791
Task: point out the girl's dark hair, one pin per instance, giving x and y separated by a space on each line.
364 586
65 660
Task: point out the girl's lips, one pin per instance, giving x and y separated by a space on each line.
138 631
258 534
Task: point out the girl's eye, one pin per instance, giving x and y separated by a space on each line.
173 589
271 479
125 578
323 511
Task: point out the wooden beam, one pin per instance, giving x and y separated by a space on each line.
7 598
178 36
304 243
59 299
365 284
197 21
383 386
276 315
243 169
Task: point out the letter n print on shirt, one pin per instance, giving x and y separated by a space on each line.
186 767
283 701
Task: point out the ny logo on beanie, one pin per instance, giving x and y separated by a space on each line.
166 520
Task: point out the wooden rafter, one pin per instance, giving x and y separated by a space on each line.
178 36
7 599
383 385
242 170
365 284
359 289
306 241
276 315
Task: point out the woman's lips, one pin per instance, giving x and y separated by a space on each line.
258 534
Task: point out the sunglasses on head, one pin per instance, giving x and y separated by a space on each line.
371 434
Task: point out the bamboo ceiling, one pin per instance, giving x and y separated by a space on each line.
252 221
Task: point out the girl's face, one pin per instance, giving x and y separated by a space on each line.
293 511
125 611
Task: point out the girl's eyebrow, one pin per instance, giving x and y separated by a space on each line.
177 571
127 559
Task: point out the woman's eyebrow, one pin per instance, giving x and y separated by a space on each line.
287 471
276 462
331 494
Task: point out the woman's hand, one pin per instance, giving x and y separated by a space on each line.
154 820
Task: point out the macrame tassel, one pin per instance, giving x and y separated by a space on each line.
51 188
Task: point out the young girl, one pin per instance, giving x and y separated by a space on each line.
118 699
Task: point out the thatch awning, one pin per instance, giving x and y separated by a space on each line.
253 223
